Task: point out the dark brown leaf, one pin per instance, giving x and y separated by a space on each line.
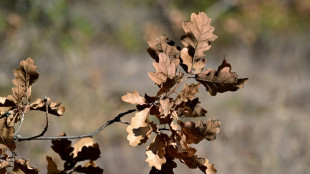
88 153
199 35
221 80
195 133
191 108
63 148
162 45
89 168
22 166
188 93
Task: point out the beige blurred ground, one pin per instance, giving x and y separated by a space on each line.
265 126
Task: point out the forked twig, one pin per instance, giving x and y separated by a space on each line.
91 135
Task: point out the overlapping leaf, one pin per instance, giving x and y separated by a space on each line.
199 35
22 166
162 45
189 65
139 130
165 69
54 108
221 80
155 152
7 131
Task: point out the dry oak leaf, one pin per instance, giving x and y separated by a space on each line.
188 93
63 148
195 133
166 105
4 161
156 152
89 168
191 108
208 168
6 105
25 76
51 166
7 131
166 86
134 98
88 153
221 80
165 68
189 65
199 34
54 108
22 166
139 130
162 45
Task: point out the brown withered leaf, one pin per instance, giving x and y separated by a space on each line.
134 98
88 153
139 130
166 105
221 80
63 148
188 93
162 45
165 68
77 147
191 108
195 133
6 104
7 131
199 35
51 166
189 65
89 168
22 166
166 86
54 108
155 152
25 76
4 161
207 168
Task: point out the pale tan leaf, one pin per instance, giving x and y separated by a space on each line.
51 166
7 131
199 34
54 108
162 45
156 153
166 105
84 142
139 130
134 98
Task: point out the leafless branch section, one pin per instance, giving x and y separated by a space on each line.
91 135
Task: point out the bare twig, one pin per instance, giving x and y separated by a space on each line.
20 123
116 119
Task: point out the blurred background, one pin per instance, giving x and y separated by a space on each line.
90 53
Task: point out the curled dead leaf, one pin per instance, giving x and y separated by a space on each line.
221 80
54 108
22 166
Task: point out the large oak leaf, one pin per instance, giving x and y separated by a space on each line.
199 35
162 45
221 80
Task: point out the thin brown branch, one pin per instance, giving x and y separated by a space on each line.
91 135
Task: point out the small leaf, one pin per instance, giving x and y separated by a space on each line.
166 106
221 80
188 93
88 153
77 147
191 108
51 166
199 35
89 168
139 130
134 98
22 166
54 108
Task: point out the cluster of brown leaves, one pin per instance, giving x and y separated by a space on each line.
83 149
14 107
172 135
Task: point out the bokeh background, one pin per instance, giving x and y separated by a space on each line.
90 53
